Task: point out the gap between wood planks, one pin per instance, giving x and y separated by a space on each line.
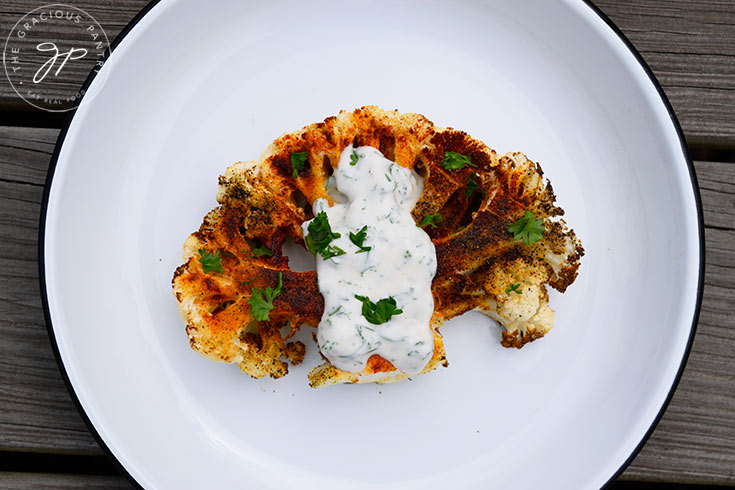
24 462
707 154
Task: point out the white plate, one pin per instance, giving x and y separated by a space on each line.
190 90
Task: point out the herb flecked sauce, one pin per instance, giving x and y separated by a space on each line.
370 190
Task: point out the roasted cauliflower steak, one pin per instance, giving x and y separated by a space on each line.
262 204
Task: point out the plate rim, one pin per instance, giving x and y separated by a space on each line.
595 10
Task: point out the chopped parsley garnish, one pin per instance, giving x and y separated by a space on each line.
514 288
261 251
331 251
353 158
430 220
359 238
380 312
456 161
319 237
210 261
261 302
472 185
298 161
529 229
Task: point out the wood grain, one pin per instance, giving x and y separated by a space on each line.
695 441
688 44
37 412
112 17
25 154
50 481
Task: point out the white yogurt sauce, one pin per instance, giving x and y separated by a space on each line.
401 264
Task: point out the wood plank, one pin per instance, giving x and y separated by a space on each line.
37 412
24 155
687 43
113 17
689 46
695 441
51 481
717 186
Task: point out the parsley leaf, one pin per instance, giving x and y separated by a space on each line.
331 251
353 158
210 261
261 302
359 238
514 288
472 185
529 229
261 251
380 312
319 237
298 161
456 161
430 220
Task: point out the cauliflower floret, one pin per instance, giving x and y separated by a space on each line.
517 299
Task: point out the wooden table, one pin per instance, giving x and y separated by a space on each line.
689 44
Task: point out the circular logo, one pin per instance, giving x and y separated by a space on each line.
48 51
